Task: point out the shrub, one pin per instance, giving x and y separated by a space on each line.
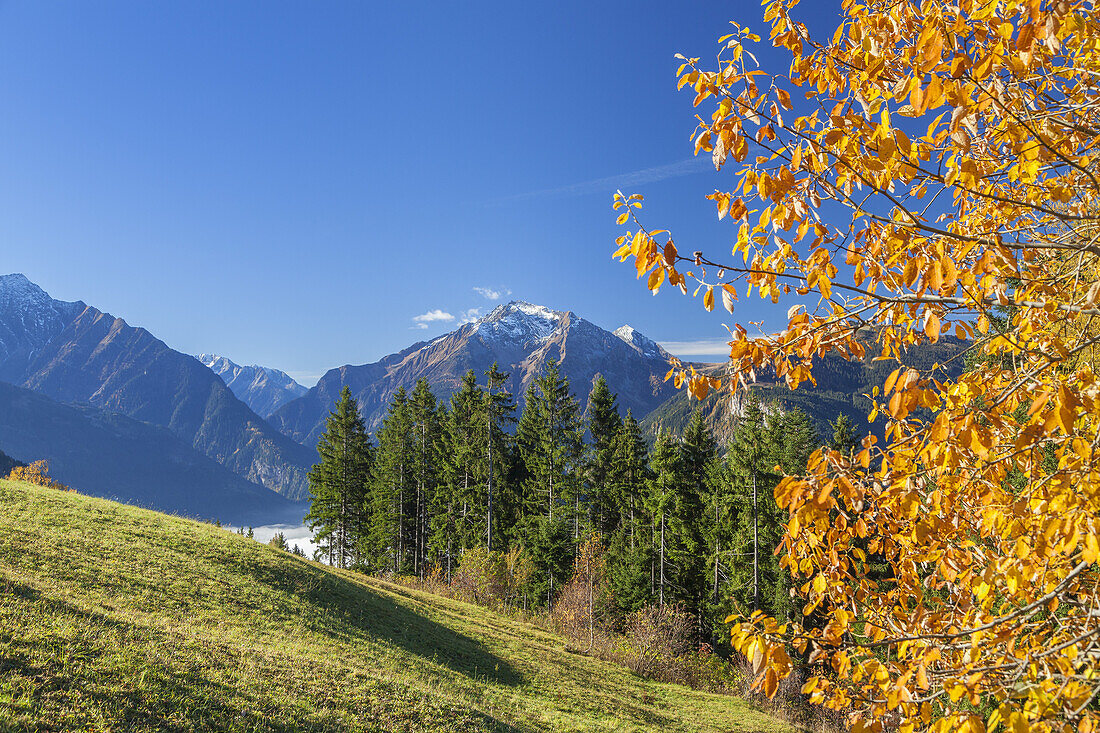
38 473
490 578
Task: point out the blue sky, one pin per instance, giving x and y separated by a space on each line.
292 184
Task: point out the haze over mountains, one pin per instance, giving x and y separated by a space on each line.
74 353
521 338
115 457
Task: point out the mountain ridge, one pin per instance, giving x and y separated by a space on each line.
106 454
97 359
521 337
262 388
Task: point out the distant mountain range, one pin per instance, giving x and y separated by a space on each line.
263 389
74 353
119 413
109 455
521 338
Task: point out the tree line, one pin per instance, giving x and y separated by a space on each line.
688 522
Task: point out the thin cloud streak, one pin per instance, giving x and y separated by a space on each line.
699 347
492 293
609 184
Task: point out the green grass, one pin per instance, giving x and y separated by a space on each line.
120 619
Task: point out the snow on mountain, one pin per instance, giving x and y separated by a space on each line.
641 343
29 319
518 322
521 338
263 389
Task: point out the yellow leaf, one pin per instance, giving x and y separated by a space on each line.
708 299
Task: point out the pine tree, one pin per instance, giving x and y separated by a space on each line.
499 409
604 425
338 484
425 463
551 448
393 481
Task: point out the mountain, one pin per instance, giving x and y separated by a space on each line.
29 320
109 455
262 389
75 353
841 386
521 337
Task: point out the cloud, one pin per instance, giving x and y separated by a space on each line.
492 294
469 315
699 347
610 184
431 316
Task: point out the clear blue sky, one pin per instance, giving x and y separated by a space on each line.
290 184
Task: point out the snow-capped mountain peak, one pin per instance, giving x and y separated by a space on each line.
640 342
262 388
29 318
519 321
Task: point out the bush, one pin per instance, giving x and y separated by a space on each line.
583 602
38 473
493 579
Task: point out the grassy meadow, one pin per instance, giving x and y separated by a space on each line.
114 618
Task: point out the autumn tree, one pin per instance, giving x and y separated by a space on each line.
926 168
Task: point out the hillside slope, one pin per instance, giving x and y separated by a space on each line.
109 455
116 618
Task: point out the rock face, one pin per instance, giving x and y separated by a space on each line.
263 389
841 388
109 455
521 338
74 353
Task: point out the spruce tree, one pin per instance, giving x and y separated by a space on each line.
393 482
425 463
338 484
499 413
844 437
551 436
459 505
604 425
752 460
630 552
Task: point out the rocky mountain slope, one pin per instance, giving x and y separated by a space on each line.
839 390
109 455
74 353
521 338
263 389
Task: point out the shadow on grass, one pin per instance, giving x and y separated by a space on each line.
137 679
357 611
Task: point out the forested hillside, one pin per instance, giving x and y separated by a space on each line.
687 523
